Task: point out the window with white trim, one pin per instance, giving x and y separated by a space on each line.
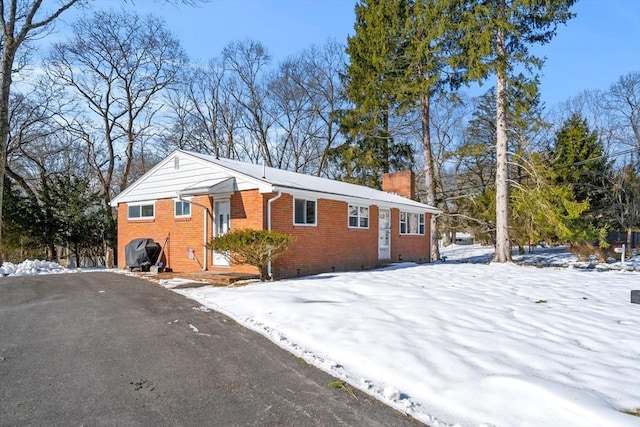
141 211
358 216
411 223
304 212
182 209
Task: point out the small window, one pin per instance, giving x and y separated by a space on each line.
358 216
182 208
141 211
411 223
304 212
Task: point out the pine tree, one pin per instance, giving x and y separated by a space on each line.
375 71
495 36
477 155
541 208
429 32
579 156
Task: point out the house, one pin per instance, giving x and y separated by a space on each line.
190 198
464 239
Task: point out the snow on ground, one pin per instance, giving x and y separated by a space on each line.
177 281
29 267
458 343
462 344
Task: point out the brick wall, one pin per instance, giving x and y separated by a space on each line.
184 233
402 183
328 246
407 247
332 246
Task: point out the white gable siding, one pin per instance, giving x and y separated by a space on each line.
164 181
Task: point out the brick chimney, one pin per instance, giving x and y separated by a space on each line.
401 183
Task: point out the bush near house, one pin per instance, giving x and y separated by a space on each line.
253 247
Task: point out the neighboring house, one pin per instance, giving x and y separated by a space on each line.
464 239
192 197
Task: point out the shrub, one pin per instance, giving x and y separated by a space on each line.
253 247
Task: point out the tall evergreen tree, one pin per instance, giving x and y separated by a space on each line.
495 36
429 45
477 156
542 209
376 53
398 58
580 161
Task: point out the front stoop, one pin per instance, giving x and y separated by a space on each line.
218 278
202 278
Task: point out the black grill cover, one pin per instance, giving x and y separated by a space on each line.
141 252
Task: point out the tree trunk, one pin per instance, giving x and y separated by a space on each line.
13 35
76 254
386 149
429 176
503 244
629 242
8 55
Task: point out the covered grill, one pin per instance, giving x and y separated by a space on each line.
141 253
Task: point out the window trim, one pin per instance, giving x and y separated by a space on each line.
358 217
315 213
421 219
183 201
140 205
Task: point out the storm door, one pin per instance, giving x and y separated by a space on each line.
384 234
222 225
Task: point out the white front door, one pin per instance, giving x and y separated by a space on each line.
222 225
384 234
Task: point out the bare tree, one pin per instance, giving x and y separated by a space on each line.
296 140
623 201
118 64
323 86
38 150
21 21
623 100
448 115
247 62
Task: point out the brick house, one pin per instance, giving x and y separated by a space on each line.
192 197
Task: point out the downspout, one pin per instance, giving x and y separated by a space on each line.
269 272
205 228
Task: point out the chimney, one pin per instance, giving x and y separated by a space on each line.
401 183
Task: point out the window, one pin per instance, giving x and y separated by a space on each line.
411 223
141 211
304 212
182 208
358 216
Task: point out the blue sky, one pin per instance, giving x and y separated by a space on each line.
592 51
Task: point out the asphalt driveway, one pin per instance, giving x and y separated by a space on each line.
106 349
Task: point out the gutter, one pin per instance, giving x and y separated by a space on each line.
269 272
359 199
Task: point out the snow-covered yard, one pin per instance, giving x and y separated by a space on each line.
460 343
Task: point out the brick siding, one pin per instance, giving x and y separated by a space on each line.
328 246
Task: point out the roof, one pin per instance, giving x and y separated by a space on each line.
268 179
